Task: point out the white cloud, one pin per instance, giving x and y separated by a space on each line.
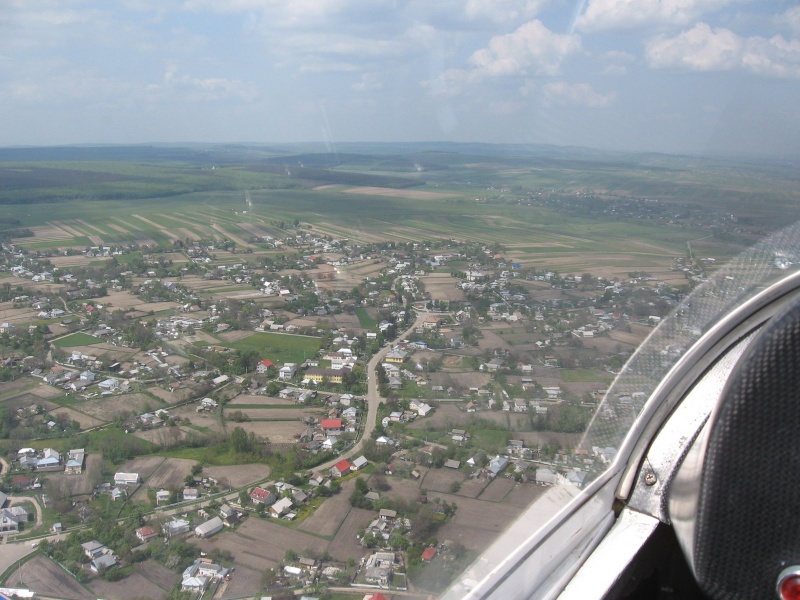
503 11
368 82
705 49
208 88
792 18
531 49
632 14
575 94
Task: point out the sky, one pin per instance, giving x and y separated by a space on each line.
696 77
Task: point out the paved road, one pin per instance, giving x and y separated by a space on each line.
373 396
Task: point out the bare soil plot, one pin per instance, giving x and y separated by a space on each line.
46 578
18 384
442 286
245 583
170 471
522 495
46 391
83 484
158 574
326 519
534 439
477 522
171 397
497 489
258 544
260 400
106 408
278 432
414 194
238 475
145 466
460 380
77 260
472 488
407 489
235 336
86 421
347 321
132 587
492 340
345 545
288 412
165 437
440 480
202 419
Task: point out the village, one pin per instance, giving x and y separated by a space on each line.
162 365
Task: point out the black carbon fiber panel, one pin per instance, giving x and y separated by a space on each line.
748 521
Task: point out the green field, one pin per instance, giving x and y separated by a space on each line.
77 339
365 320
278 347
558 210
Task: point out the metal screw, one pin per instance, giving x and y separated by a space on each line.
650 478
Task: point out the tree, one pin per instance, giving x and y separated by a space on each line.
290 556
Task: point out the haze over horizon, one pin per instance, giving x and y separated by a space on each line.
695 77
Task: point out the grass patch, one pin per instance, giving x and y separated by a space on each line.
76 339
492 440
365 320
278 347
579 375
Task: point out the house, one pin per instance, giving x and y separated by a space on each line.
360 463
103 562
195 585
546 476
162 496
229 515
75 459
262 496
331 425
452 464
9 521
93 549
428 554
109 384
118 493
396 356
176 527
190 494
496 465
341 468
209 528
264 365
317 479
146 533
280 507
287 371
126 478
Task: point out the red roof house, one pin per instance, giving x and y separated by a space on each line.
341 468
263 365
331 424
428 553
262 496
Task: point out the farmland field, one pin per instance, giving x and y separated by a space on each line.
325 520
76 339
278 347
345 545
106 408
247 543
46 578
238 475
